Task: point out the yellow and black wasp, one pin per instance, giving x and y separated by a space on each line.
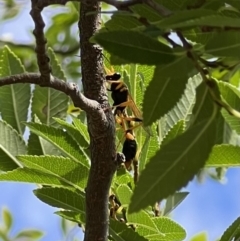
122 100
130 149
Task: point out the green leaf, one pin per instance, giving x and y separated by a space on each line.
176 4
149 148
232 121
166 88
11 145
224 156
34 145
176 163
145 74
31 176
48 102
156 228
7 219
39 146
142 219
29 234
124 193
215 5
200 237
61 139
234 3
72 216
229 12
224 44
198 36
233 231
121 232
224 132
15 98
123 177
62 198
170 229
74 132
230 93
173 201
195 18
182 110
67 170
176 130
232 96
135 47
82 128
146 12
122 21
184 18
76 135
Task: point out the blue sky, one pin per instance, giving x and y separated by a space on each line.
211 206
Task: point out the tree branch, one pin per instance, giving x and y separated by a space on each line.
209 82
41 41
103 150
70 89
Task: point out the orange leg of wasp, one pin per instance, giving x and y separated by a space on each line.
109 71
123 104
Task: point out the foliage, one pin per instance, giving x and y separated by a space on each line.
7 225
176 84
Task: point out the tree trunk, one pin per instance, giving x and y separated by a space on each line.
102 132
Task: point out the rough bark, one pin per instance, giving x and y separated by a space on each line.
102 132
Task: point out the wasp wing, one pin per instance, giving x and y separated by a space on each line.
138 114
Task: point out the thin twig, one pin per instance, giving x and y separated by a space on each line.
210 83
69 89
41 41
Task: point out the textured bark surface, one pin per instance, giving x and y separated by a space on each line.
101 127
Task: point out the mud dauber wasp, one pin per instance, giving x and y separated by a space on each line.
122 99
130 147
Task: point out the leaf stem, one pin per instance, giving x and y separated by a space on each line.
209 82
